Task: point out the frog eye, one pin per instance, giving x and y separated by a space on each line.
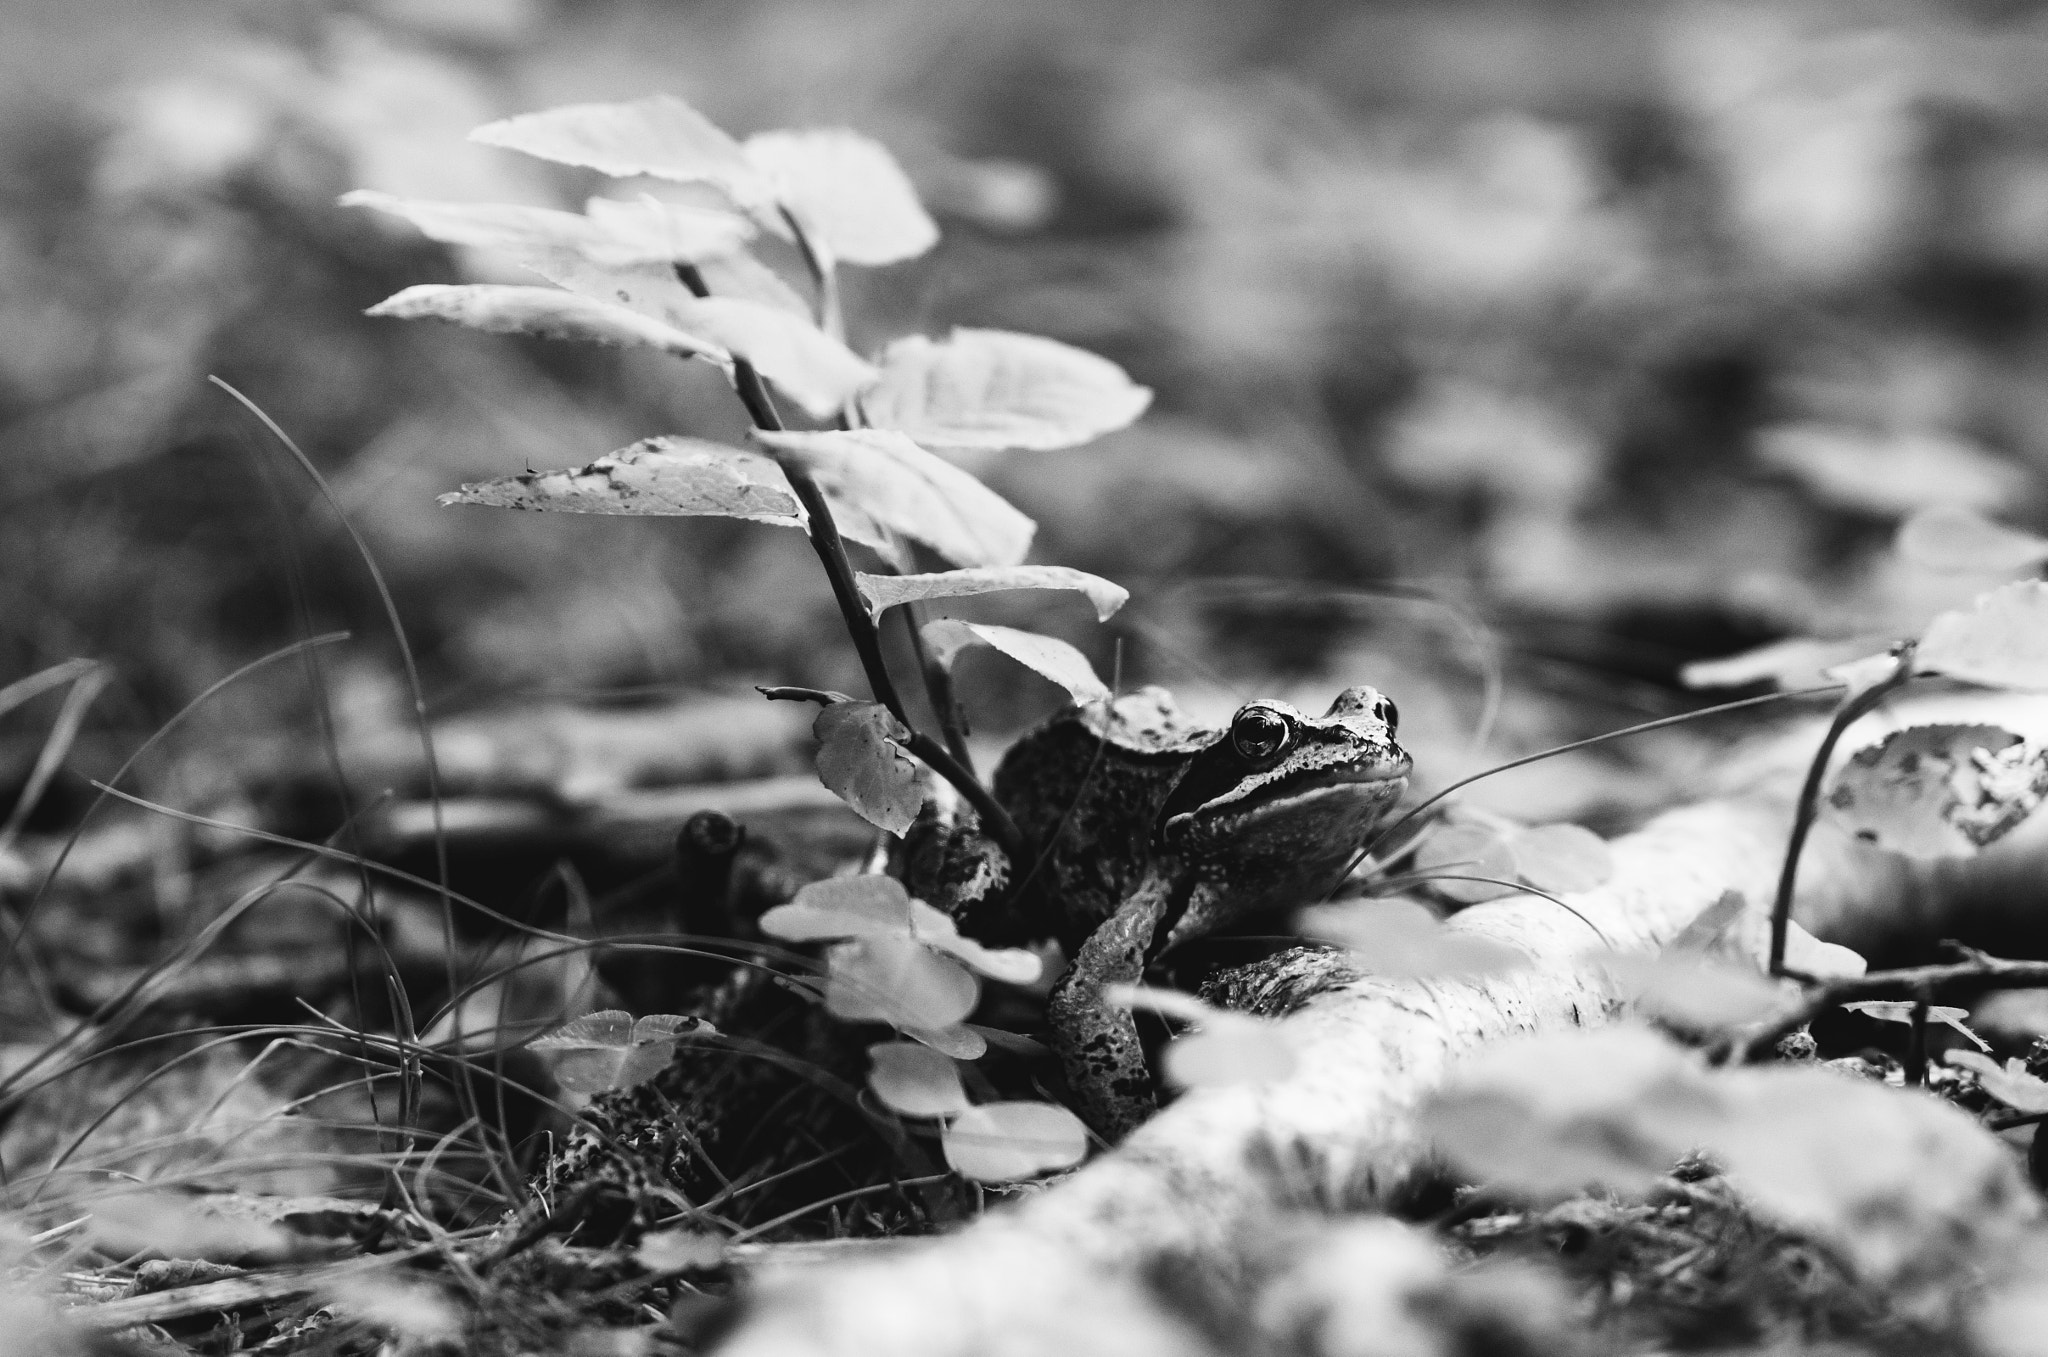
1386 711
1259 733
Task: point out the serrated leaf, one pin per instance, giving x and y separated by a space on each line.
1230 1050
1002 1142
867 905
659 135
847 191
650 231
544 312
907 490
882 592
1044 655
1939 790
1693 992
861 759
2009 1083
1949 537
899 981
915 1080
1404 938
2002 641
667 476
1901 1011
995 389
1468 863
1562 858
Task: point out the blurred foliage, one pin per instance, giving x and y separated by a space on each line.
1624 332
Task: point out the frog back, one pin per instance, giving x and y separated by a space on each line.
1086 789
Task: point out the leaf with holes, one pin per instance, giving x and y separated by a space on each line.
916 1080
1939 790
908 490
1003 1142
2002 641
1949 537
543 312
1404 938
847 192
659 477
2009 1083
862 760
995 389
1044 655
869 905
882 592
1561 858
660 136
899 981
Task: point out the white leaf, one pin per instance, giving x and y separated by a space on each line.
1231 1049
1694 992
995 389
867 905
1796 662
546 312
861 759
1948 537
483 225
1939 790
882 592
1901 1011
1045 655
819 373
2001 642
666 476
916 1080
659 135
1468 862
1561 858
1002 1142
960 1040
2009 1083
1403 938
898 981
847 191
907 490
679 1251
1889 474
651 231
748 279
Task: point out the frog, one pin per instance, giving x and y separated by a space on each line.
1146 829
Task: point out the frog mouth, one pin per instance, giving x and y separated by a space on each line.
1294 787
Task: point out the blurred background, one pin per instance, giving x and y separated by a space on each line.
1508 355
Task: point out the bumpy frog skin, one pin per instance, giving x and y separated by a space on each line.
1152 830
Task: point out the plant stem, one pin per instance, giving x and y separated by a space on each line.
867 640
1854 706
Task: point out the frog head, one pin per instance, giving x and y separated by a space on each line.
1272 811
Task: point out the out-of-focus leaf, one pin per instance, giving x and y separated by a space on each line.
2009 1083
2017 1014
899 981
861 758
544 312
995 389
916 1080
1901 1011
1562 858
679 1251
882 592
908 490
847 191
1793 663
1454 855
1695 993
1939 790
666 476
743 276
1230 1049
1889 473
863 906
174 1225
659 135
2002 641
1012 965
1046 655
1949 537
1002 1142
819 373
420 1315
1403 938
650 231
961 1041
484 225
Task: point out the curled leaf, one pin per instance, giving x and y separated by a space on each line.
1044 655
659 477
882 592
915 1080
907 490
1002 1142
995 389
862 760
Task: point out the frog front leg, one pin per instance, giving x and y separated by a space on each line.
1098 1042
